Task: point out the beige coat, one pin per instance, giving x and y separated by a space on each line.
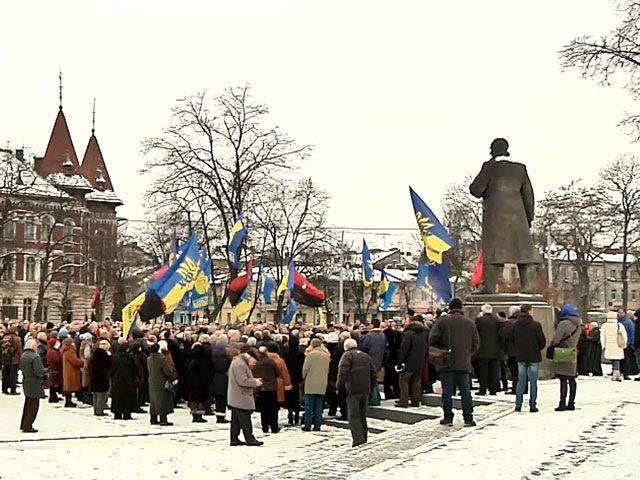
608 338
241 385
315 372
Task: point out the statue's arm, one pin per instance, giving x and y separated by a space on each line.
480 183
528 198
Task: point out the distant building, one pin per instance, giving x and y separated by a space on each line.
58 230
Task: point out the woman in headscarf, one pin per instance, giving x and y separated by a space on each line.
161 378
124 381
566 336
99 367
198 378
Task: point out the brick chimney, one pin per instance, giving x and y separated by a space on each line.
20 154
67 166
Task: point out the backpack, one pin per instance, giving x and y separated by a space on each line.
8 350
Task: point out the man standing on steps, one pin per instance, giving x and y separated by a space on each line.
411 358
488 355
32 378
528 341
456 333
374 344
357 374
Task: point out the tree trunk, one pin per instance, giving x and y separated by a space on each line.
583 291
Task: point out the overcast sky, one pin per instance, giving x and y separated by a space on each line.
390 93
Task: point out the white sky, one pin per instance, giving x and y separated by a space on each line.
390 93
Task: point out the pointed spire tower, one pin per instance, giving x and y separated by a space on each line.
93 167
60 156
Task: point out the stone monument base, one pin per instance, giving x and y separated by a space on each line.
541 312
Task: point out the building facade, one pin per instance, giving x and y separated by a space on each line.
58 231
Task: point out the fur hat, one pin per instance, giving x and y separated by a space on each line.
62 333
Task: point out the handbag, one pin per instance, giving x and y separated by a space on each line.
439 356
170 387
620 339
563 354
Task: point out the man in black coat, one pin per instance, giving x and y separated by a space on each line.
411 358
488 355
506 340
459 335
528 340
391 378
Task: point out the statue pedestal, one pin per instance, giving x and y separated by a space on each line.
541 312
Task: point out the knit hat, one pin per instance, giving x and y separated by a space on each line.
62 333
612 315
568 310
86 336
52 342
594 325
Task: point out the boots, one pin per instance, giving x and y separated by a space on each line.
197 418
154 419
221 419
616 377
290 418
164 422
53 396
296 418
68 402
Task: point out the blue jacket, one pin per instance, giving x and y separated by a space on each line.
375 344
630 327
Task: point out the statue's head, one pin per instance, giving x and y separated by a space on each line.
499 147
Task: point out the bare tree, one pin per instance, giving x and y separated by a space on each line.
613 56
463 220
579 219
291 220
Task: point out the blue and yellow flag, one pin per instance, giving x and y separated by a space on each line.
421 278
290 315
386 289
166 292
267 286
244 306
236 238
434 236
367 265
438 279
198 297
129 314
287 279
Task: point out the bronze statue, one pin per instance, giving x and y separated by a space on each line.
507 212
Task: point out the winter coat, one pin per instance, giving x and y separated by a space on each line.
567 335
630 327
413 348
283 381
124 382
54 360
528 339
84 354
315 372
71 365
199 374
374 344
267 370
241 385
99 367
507 200
357 373
458 333
489 332
160 400
16 344
608 339
294 359
32 374
636 342
336 355
506 337
394 338
593 353
221 360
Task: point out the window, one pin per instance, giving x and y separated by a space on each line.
29 228
614 274
30 269
7 268
614 294
8 229
46 227
67 231
27 309
633 295
229 317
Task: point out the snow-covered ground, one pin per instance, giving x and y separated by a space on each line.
599 440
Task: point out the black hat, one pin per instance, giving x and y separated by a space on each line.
455 304
499 147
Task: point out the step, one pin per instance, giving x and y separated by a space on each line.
334 422
435 400
399 415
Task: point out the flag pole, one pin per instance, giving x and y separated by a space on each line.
341 298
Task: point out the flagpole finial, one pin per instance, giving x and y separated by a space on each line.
60 88
93 118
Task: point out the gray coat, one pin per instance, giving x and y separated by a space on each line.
241 385
569 329
507 212
32 374
160 400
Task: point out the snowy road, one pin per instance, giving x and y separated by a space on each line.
599 440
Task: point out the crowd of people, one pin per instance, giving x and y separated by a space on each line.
305 369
